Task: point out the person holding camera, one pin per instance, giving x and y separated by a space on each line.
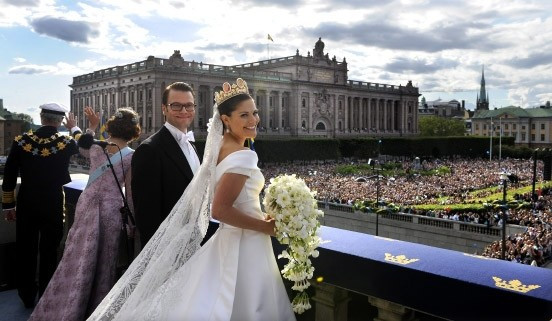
88 269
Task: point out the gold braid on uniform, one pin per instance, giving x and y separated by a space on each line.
8 197
44 147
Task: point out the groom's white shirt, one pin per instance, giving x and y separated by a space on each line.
185 146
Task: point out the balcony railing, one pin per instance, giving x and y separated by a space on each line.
401 279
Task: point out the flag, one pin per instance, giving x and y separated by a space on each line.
270 38
103 121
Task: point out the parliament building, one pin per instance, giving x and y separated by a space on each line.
297 96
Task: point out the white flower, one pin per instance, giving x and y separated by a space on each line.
291 203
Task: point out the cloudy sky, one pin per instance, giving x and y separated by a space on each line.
440 45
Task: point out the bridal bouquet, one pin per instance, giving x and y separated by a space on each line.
292 205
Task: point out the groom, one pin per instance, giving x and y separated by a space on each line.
165 163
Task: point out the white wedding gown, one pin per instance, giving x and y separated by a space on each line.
234 276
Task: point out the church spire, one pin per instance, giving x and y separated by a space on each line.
482 97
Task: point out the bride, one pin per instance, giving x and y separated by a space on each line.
234 276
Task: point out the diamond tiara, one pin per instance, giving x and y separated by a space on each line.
228 91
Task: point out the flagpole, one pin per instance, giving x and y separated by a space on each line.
500 141
491 142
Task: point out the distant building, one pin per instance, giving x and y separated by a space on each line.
529 126
446 109
482 102
440 108
297 96
2 135
12 125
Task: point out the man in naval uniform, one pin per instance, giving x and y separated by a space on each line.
41 158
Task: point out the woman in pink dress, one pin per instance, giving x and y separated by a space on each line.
87 270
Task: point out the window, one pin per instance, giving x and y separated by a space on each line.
484 126
476 126
532 126
542 137
282 101
320 126
283 123
514 126
303 124
340 105
270 103
542 126
532 137
304 103
523 136
505 126
522 127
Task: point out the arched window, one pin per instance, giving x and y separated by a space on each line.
340 125
303 124
303 103
320 126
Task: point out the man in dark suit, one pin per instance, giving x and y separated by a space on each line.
165 163
41 158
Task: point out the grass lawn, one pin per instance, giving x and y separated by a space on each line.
477 203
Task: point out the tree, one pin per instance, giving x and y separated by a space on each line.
24 117
439 126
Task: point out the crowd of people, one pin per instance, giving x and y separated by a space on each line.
534 246
466 175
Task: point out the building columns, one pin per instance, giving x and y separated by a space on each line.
331 303
267 110
360 113
389 311
278 110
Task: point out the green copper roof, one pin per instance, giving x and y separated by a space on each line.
514 111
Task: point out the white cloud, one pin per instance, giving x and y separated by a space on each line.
60 68
19 59
438 44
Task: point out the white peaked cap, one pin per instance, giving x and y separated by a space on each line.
54 108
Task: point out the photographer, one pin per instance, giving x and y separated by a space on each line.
87 270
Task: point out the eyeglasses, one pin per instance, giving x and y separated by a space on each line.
179 106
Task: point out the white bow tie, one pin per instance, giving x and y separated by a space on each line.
189 136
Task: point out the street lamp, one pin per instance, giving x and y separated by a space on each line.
533 195
373 162
504 177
